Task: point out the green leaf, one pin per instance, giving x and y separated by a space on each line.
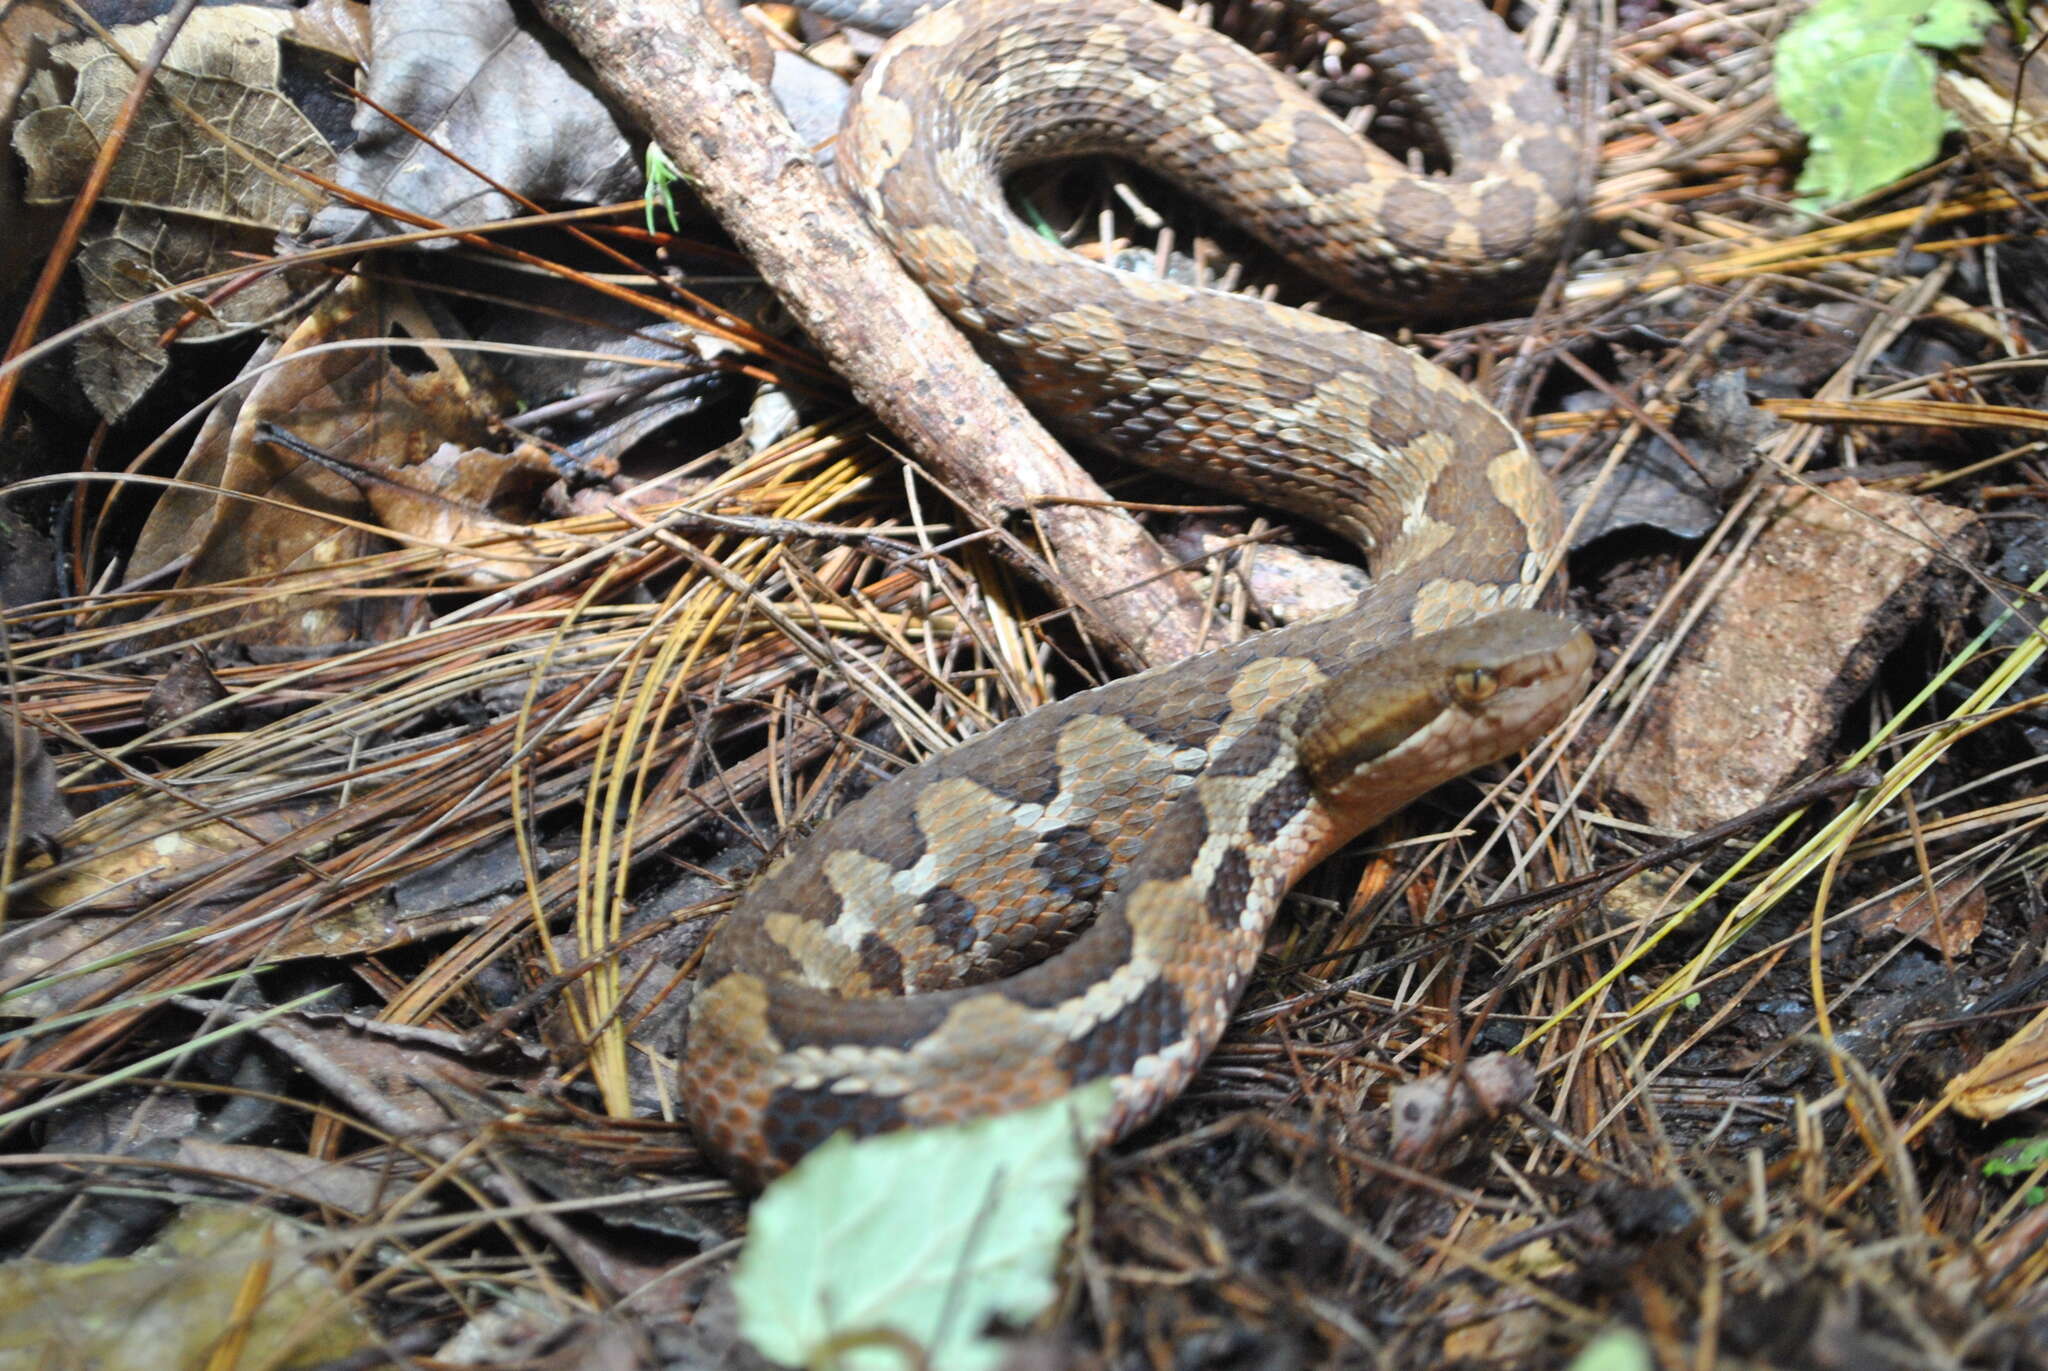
1617 1349
916 1239
1857 77
2017 1157
1952 24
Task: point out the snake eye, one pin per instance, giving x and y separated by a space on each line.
1474 685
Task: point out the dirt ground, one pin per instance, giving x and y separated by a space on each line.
370 824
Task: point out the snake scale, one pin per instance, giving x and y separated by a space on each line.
1081 893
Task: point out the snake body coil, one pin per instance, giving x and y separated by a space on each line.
1082 892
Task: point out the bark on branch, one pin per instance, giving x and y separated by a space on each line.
664 62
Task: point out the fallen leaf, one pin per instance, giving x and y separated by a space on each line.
356 402
218 1272
140 253
2011 1078
204 180
1857 76
497 91
1617 1349
1949 925
223 67
339 27
915 1240
459 494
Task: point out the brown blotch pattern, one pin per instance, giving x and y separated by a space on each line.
1145 830
1228 888
1277 807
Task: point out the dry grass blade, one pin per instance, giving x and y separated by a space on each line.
395 932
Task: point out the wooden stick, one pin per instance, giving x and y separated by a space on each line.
664 63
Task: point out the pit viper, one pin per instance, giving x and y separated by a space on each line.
1082 892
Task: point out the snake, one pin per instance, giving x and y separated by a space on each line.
1081 893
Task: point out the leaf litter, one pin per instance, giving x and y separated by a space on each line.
517 682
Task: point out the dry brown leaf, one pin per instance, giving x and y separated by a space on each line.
356 403
140 253
2013 1077
457 494
340 28
224 67
203 182
1950 926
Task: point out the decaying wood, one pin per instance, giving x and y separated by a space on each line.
1797 633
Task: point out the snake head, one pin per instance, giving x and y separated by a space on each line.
1416 714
